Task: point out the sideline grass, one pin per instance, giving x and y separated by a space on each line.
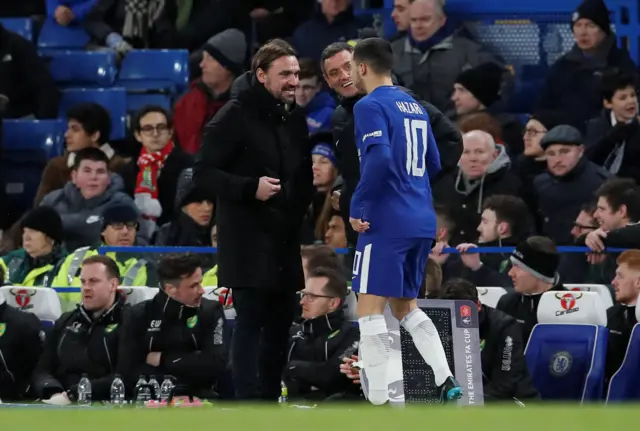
330 418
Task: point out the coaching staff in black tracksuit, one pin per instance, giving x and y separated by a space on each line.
84 340
504 369
177 333
256 158
335 66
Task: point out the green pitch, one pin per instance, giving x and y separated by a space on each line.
327 418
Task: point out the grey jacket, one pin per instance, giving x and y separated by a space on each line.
431 75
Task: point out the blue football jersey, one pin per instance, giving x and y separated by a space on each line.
394 192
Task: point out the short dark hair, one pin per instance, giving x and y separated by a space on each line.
615 81
511 210
174 267
110 266
459 289
148 109
270 52
542 244
622 191
93 118
333 49
320 255
90 153
589 208
376 53
336 285
309 69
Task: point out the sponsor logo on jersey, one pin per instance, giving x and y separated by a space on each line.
376 134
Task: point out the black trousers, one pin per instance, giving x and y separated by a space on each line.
260 339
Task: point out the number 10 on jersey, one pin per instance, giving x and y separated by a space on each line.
416 133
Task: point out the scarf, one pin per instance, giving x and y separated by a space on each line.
150 165
140 16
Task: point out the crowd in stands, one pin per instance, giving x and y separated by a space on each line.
567 174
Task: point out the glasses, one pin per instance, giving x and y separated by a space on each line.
534 132
312 296
149 129
120 226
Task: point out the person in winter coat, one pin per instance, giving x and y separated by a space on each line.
484 170
505 376
256 158
84 341
318 344
42 252
573 85
83 199
534 271
318 104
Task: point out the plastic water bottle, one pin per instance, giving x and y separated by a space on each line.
284 393
165 390
84 391
155 388
143 392
117 391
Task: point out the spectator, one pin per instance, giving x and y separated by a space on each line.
400 16
336 235
20 348
26 85
37 263
568 184
613 139
177 333
82 201
119 225
432 283
481 121
621 318
84 341
153 177
576 267
433 41
261 199
573 86
316 346
505 376
222 61
319 256
318 104
66 12
88 125
333 21
484 170
533 272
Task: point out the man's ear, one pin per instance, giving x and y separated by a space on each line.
261 76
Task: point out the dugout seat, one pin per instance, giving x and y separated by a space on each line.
600 289
490 296
83 69
566 352
624 386
137 294
222 295
41 301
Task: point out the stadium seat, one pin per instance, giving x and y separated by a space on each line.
41 301
56 37
21 26
137 294
83 69
490 295
222 295
600 289
153 77
566 352
625 383
113 100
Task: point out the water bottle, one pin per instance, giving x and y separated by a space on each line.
143 392
165 389
284 393
155 388
117 391
84 391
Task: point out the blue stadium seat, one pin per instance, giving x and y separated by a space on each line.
567 362
625 383
83 69
153 77
21 26
113 100
56 37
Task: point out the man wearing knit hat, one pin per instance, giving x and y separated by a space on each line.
534 265
223 58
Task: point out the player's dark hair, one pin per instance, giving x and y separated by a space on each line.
110 266
333 49
93 118
617 81
622 191
320 256
459 289
511 210
174 267
376 53
336 285
90 153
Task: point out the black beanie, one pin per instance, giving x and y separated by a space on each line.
540 264
484 82
119 213
593 10
229 48
46 220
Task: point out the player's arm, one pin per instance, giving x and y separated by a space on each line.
372 138
433 155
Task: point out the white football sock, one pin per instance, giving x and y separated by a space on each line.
427 340
374 348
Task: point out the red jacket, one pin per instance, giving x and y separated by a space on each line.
191 114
